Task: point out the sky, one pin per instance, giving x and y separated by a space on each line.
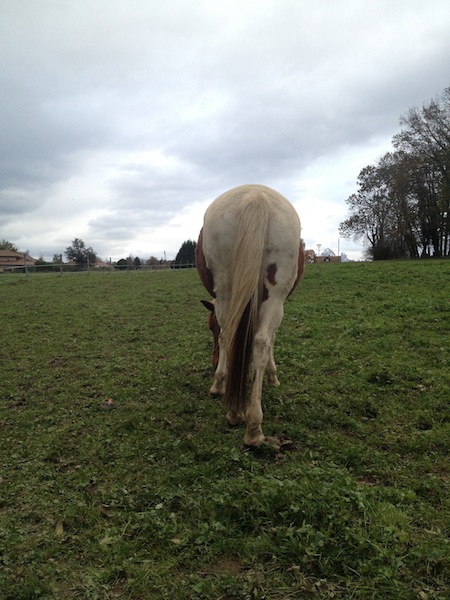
120 122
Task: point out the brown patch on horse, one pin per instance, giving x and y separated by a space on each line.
301 266
271 272
214 327
204 273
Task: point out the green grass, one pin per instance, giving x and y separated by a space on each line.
157 498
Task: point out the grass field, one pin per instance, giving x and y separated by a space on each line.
157 499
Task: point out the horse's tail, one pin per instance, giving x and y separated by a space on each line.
247 288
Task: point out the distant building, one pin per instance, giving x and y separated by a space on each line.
102 264
321 259
327 256
10 260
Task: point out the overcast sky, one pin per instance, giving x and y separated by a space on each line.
121 121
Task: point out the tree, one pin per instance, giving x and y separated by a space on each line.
402 206
130 262
186 254
81 255
152 261
426 137
122 264
427 132
370 213
383 211
5 245
42 265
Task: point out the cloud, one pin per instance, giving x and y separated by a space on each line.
118 119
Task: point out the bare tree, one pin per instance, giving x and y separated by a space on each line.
426 137
401 208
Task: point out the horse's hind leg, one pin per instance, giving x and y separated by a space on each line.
254 414
218 386
271 315
271 368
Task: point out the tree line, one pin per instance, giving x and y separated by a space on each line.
184 258
401 207
84 256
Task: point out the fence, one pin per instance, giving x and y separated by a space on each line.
64 268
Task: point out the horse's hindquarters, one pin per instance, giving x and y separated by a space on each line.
251 249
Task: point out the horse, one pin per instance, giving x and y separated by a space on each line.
250 258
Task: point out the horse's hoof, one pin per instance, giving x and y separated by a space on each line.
270 446
253 443
235 420
217 391
273 381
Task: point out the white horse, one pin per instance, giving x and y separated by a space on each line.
249 258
